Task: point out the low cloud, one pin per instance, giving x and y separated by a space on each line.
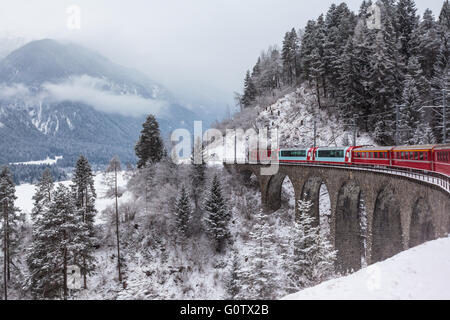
98 93
13 91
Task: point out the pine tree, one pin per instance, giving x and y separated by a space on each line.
233 281
115 167
198 172
85 196
258 275
289 55
406 24
311 258
183 212
58 238
217 216
250 91
9 224
42 195
415 87
385 84
150 147
428 43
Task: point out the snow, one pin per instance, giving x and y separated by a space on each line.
25 194
47 161
420 273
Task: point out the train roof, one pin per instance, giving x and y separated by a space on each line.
373 149
442 147
407 148
332 148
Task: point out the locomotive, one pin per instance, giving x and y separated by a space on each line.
433 158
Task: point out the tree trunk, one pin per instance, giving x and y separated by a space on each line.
65 273
117 226
5 251
84 220
8 255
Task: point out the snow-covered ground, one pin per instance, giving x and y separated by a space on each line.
25 194
47 161
416 274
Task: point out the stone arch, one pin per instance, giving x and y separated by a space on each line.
348 231
386 226
273 191
311 191
422 228
288 194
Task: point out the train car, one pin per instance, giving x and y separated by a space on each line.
414 157
375 156
263 156
293 155
441 159
334 155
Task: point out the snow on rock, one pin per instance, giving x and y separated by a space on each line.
420 273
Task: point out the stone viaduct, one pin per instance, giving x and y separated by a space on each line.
401 212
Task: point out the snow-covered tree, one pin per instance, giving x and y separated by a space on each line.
258 274
9 228
150 147
42 195
183 212
58 238
198 172
114 168
250 91
217 216
85 196
311 257
233 281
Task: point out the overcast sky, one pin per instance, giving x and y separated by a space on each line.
195 47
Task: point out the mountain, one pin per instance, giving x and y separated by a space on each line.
63 99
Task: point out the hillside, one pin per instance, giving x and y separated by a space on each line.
416 274
60 99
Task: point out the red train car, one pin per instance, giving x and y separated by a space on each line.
441 159
415 157
377 156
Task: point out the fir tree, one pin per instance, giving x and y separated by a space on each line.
233 282
58 238
85 196
406 24
258 275
217 216
9 229
250 91
183 212
311 259
428 43
42 195
198 172
150 147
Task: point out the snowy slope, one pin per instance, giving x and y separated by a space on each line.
419 273
25 193
294 116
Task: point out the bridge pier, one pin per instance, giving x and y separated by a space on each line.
395 219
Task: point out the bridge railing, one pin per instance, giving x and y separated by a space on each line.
437 179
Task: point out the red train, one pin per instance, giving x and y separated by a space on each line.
434 158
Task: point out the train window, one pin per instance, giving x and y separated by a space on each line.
421 156
376 155
293 153
331 153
